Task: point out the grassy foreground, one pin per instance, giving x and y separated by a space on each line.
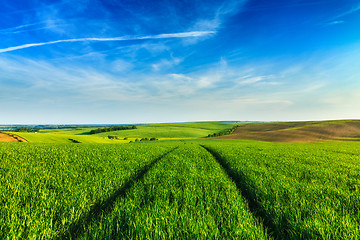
203 189
185 196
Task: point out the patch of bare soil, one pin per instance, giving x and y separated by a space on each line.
5 137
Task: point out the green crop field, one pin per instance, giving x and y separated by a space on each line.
46 187
159 131
301 191
192 188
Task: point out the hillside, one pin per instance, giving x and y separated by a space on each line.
312 131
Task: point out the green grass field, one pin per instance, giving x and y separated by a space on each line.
188 187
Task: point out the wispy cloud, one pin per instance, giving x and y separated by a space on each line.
49 24
19 27
126 38
336 22
219 15
247 89
165 64
252 80
343 14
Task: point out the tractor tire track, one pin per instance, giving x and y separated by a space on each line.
244 187
106 206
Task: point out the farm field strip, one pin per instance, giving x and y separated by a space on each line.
44 188
186 195
301 190
63 137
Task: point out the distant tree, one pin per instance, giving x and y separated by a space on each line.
26 129
111 129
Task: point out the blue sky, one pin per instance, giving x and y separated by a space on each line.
108 61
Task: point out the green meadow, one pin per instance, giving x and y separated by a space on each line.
182 186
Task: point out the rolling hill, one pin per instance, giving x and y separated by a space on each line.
310 131
166 131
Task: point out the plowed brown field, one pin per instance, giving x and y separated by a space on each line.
7 138
342 130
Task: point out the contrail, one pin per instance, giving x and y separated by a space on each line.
19 27
127 38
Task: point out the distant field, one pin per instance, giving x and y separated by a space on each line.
312 131
159 131
172 131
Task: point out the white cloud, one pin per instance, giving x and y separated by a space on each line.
220 14
121 65
336 22
165 64
257 101
252 80
17 28
306 89
177 76
47 81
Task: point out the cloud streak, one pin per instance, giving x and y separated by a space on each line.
126 38
19 27
336 22
351 11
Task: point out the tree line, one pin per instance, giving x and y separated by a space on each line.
111 129
227 132
26 129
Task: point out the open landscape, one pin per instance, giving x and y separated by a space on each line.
187 119
184 185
